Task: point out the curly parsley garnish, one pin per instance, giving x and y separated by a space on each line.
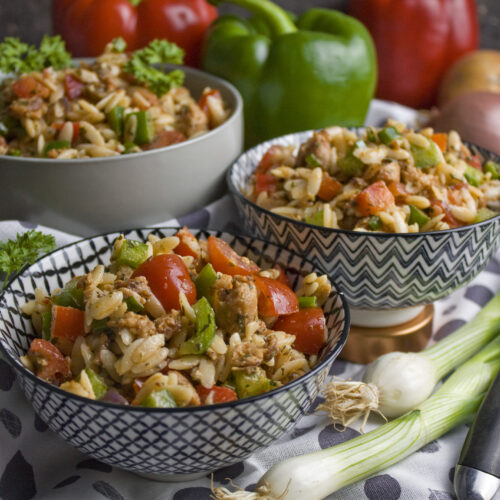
16 254
157 52
19 57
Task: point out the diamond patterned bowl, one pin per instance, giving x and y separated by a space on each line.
374 270
170 443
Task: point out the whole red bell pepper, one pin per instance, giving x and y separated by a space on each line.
88 25
417 41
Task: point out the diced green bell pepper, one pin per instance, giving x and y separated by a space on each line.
350 165
485 214
312 160
46 324
130 147
144 129
159 399
133 305
417 216
98 385
430 156
8 124
473 176
493 168
115 119
55 145
316 219
131 253
205 329
374 223
388 134
371 135
251 384
205 280
70 296
14 152
100 325
305 302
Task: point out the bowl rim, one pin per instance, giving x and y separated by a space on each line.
235 115
18 367
233 189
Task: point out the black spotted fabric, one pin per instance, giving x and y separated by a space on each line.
35 463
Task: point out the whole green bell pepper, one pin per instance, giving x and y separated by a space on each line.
317 72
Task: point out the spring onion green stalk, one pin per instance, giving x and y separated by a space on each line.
398 382
317 475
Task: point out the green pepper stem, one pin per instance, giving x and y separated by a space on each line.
277 19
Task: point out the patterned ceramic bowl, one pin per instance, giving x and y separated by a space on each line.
375 271
169 443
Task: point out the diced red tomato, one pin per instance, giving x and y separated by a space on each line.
282 275
441 140
203 101
27 87
374 199
275 298
73 87
164 139
188 246
309 327
48 361
272 158
219 394
225 260
329 187
475 161
67 323
76 129
265 183
398 190
167 276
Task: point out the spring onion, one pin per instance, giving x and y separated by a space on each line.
398 382
317 475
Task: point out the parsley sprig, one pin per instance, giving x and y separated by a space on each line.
141 62
16 254
19 57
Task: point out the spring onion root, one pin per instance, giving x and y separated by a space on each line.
317 475
401 381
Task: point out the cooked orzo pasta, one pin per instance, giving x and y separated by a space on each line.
103 108
177 322
385 180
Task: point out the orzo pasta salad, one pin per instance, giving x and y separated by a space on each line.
385 180
176 322
118 104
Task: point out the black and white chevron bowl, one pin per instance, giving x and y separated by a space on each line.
374 270
170 443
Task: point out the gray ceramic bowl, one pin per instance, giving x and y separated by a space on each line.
164 443
386 277
90 196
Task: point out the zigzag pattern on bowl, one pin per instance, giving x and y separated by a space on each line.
375 271
169 441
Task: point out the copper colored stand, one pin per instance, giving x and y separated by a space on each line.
366 344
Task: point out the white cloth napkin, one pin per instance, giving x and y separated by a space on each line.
35 463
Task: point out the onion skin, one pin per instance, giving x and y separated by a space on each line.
477 71
475 116
113 396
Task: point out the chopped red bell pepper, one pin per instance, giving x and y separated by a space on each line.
441 140
329 188
220 394
67 323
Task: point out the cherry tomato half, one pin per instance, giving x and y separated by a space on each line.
225 260
167 276
275 298
188 246
309 327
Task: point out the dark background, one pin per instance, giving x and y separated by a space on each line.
30 19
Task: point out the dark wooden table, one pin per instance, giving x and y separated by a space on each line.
30 19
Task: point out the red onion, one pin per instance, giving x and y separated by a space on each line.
475 116
115 397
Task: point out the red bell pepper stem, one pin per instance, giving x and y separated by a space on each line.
276 18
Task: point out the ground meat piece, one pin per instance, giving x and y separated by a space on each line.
415 176
389 172
247 354
192 120
137 324
33 108
235 303
169 324
318 146
271 348
134 287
